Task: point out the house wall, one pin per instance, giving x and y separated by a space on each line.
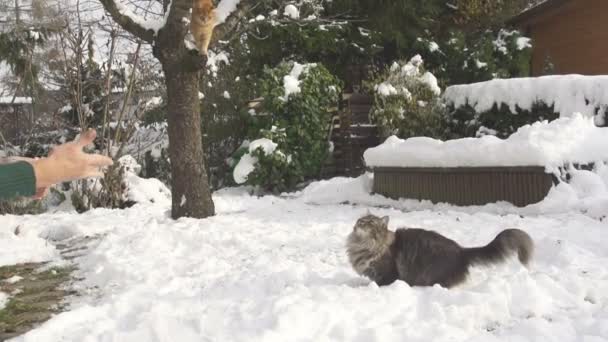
574 37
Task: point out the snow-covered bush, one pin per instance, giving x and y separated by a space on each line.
121 187
295 121
407 101
264 164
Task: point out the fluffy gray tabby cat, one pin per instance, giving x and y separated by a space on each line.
423 257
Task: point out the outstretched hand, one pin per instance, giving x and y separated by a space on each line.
68 162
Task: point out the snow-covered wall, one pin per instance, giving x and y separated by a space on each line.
549 144
568 94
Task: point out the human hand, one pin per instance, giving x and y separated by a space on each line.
68 162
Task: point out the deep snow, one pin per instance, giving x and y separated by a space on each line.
568 94
274 269
553 144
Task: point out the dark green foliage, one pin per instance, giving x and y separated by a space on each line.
275 172
468 58
305 116
398 23
298 124
338 46
464 121
223 121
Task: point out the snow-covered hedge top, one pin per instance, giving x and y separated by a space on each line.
575 139
569 93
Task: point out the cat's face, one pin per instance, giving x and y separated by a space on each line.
371 226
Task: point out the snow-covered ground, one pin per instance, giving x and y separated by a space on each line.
274 269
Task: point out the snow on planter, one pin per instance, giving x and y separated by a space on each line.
568 94
549 144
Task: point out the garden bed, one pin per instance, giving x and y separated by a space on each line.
464 185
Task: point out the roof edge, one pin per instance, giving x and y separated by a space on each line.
536 11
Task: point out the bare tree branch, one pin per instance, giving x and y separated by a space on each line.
127 22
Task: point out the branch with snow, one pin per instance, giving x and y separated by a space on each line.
129 21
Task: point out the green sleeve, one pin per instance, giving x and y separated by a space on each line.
17 179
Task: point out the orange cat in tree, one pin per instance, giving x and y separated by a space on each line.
202 23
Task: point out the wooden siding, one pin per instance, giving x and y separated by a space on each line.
464 185
572 36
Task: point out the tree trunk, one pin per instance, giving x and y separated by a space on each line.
191 195
190 191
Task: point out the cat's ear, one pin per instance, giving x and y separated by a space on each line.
385 220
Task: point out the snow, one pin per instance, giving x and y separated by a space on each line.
214 61
549 144
292 11
406 75
142 190
148 24
274 268
480 64
523 43
224 9
245 166
3 300
430 80
433 46
267 145
15 100
247 163
291 81
569 93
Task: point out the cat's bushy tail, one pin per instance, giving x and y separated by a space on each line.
505 244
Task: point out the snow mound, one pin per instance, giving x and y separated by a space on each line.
568 94
142 190
550 144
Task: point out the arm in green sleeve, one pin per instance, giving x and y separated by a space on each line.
17 179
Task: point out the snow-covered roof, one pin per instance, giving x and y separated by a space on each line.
537 9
